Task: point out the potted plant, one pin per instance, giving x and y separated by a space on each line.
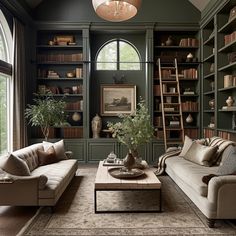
46 112
134 130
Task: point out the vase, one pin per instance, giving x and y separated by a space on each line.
229 101
169 41
189 119
129 161
137 158
96 126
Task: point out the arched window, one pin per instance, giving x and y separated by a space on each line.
118 55
5 75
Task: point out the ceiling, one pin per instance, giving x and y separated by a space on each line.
199 4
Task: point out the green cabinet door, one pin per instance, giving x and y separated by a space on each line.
158 149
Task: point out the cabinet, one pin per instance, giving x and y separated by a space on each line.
184 46
209 81
219 70
61 70
226 85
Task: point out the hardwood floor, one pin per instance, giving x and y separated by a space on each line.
12 219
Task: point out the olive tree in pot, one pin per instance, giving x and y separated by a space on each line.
46 112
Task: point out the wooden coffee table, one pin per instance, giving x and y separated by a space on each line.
105 182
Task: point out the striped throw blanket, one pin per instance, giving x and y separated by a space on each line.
214 141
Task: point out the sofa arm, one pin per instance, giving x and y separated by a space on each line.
222 192
22 190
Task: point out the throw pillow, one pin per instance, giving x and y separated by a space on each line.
48 157
59 149
16 166
228 165
200 154
187 143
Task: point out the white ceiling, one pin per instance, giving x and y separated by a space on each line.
199 4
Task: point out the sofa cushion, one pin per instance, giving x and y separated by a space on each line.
226 153
228 165
191 173
47 157
57 174
29 155
187 143
59 149
201 154
16 166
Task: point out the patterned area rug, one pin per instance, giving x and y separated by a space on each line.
74 213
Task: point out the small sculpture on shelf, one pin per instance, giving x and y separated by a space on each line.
189 119
212 104
169 41
229 101
96 126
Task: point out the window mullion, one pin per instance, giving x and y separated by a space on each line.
118 55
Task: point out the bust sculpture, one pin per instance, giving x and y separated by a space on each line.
96 126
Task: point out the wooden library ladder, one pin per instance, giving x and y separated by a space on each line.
172 116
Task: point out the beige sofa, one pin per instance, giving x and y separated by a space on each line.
44 185
217 199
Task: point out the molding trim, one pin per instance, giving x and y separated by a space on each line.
211 10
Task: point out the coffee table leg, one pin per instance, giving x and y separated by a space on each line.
95 200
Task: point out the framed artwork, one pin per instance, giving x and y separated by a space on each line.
118 99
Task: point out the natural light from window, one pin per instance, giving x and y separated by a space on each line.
5 61
118 55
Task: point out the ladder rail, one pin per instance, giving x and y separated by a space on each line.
178 103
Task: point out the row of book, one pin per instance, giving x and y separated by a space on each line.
52 74
189 106
208 133
75 105
190 73
227 136
43 89
229 38
60 57
192 133
73 132
189 42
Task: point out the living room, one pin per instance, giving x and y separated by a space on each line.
117 117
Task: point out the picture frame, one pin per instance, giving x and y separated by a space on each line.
117 99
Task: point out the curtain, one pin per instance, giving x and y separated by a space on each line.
18 88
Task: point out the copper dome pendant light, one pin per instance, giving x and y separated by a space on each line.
116 10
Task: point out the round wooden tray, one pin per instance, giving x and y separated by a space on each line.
120 173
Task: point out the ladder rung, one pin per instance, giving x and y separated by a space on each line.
174 128
168 68
170 94
169 82
176 115
174 104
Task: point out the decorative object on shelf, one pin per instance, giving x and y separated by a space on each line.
76 116
189 119
134 130
96 126
64 40
212 104
116 10
189 57
228 81
229 101
51 43
169 41
212 85
118 99
117 80
212 67
232 13
46 112
70 74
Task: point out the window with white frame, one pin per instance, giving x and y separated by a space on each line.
118 54
5 77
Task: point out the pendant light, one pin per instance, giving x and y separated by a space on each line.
116 10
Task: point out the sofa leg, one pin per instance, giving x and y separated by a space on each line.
210 223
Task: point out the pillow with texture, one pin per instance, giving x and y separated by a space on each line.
48 157
187 143
201 154
228 165
16 166
58 147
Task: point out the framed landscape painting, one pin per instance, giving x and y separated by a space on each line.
118 99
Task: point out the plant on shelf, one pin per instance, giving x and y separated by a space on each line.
46 112
134 129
